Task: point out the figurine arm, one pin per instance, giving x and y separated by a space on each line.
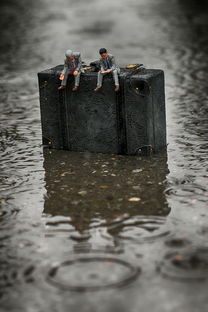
102 69
79 65
113 67
61 77
65 67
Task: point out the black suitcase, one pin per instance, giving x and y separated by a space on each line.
128 122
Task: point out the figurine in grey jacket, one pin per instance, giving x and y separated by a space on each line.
73 66
107 65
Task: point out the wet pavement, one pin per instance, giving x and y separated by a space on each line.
91 232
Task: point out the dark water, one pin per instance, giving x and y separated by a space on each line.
91 232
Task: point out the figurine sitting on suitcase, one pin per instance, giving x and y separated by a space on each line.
107 65
73 66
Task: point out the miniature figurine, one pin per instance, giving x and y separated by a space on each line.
73 66
108 65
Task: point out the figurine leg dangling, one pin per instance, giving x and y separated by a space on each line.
77 81
115 77
100 80
63 78
64 81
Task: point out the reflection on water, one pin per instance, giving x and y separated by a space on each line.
131 230
96 185
94 191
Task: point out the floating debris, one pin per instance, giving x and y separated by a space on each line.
82 193
137 170
134 199
103 187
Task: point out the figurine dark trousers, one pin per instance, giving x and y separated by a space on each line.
100 78
77 78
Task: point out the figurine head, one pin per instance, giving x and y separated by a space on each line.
69 54
103 53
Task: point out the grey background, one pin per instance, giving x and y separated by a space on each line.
59 206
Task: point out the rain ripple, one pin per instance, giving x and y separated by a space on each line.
92 273
141 228
186 265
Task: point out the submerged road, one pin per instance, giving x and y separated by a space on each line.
71 238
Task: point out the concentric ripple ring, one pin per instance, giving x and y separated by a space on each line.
92 274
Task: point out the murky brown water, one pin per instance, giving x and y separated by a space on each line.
71 238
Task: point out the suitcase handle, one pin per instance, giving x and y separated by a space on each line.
139 86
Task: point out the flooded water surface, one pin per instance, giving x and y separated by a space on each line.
91 232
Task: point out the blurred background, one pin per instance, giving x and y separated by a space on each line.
71 238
